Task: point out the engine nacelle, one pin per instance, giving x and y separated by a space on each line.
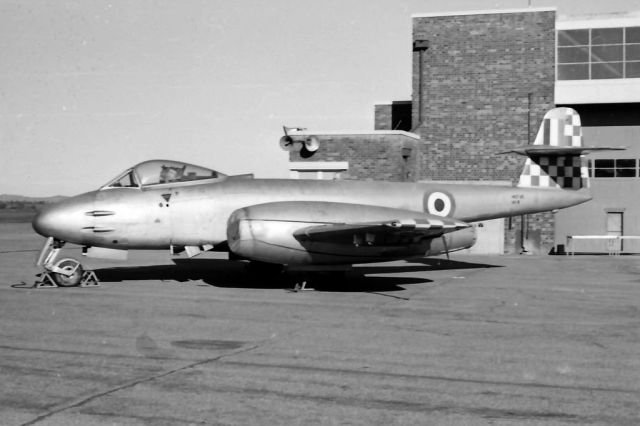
267 233
454 241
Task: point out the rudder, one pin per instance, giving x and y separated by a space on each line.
555 159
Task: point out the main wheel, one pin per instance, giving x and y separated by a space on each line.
68 264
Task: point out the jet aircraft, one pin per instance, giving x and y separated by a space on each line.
305 225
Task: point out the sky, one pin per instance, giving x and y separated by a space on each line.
88 88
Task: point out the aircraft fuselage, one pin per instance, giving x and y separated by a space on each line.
196 213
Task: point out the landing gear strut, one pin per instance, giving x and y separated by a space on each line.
66 272
300 285
328 277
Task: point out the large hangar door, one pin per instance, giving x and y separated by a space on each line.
489 237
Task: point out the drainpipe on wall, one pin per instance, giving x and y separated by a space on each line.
523 218
420 46
406 154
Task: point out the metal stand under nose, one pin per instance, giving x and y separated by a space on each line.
67 272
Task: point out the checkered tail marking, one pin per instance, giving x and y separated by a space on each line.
560 127
569 172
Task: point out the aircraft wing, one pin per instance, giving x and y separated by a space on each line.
391 229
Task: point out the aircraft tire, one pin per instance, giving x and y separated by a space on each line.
72 280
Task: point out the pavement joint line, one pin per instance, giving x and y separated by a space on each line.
132 383
18 251
377 293
339 371
411 406
445 281
93 354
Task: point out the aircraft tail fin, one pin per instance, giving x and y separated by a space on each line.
555 159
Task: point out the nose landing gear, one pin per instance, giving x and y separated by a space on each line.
70 273
67 272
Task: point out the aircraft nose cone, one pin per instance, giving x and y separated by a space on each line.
44 222
64 220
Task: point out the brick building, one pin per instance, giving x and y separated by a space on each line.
388 155
480 87
482 82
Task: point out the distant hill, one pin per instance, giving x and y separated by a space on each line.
22 198
20 209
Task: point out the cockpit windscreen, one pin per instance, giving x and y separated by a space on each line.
157 172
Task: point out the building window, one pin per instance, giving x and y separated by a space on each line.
606 35
599 53
615 168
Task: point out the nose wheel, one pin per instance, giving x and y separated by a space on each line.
70 272
67 272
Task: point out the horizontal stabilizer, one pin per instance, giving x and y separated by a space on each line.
551 150
555 159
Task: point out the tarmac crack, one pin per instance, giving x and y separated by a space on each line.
132 383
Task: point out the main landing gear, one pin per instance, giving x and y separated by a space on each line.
276 273
319 279
66 272
327 277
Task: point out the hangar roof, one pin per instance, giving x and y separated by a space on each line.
357 133
485 12
599 20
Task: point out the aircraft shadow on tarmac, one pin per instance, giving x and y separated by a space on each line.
222 273
437 264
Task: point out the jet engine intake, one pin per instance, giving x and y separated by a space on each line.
454 241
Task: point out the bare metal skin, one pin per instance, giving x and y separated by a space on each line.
165 204
197 213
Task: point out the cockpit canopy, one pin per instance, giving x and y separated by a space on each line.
159 172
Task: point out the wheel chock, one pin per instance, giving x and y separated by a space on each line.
45 280
89 279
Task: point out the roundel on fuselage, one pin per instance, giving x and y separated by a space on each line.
439 203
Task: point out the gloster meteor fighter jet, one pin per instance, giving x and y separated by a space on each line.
305 224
